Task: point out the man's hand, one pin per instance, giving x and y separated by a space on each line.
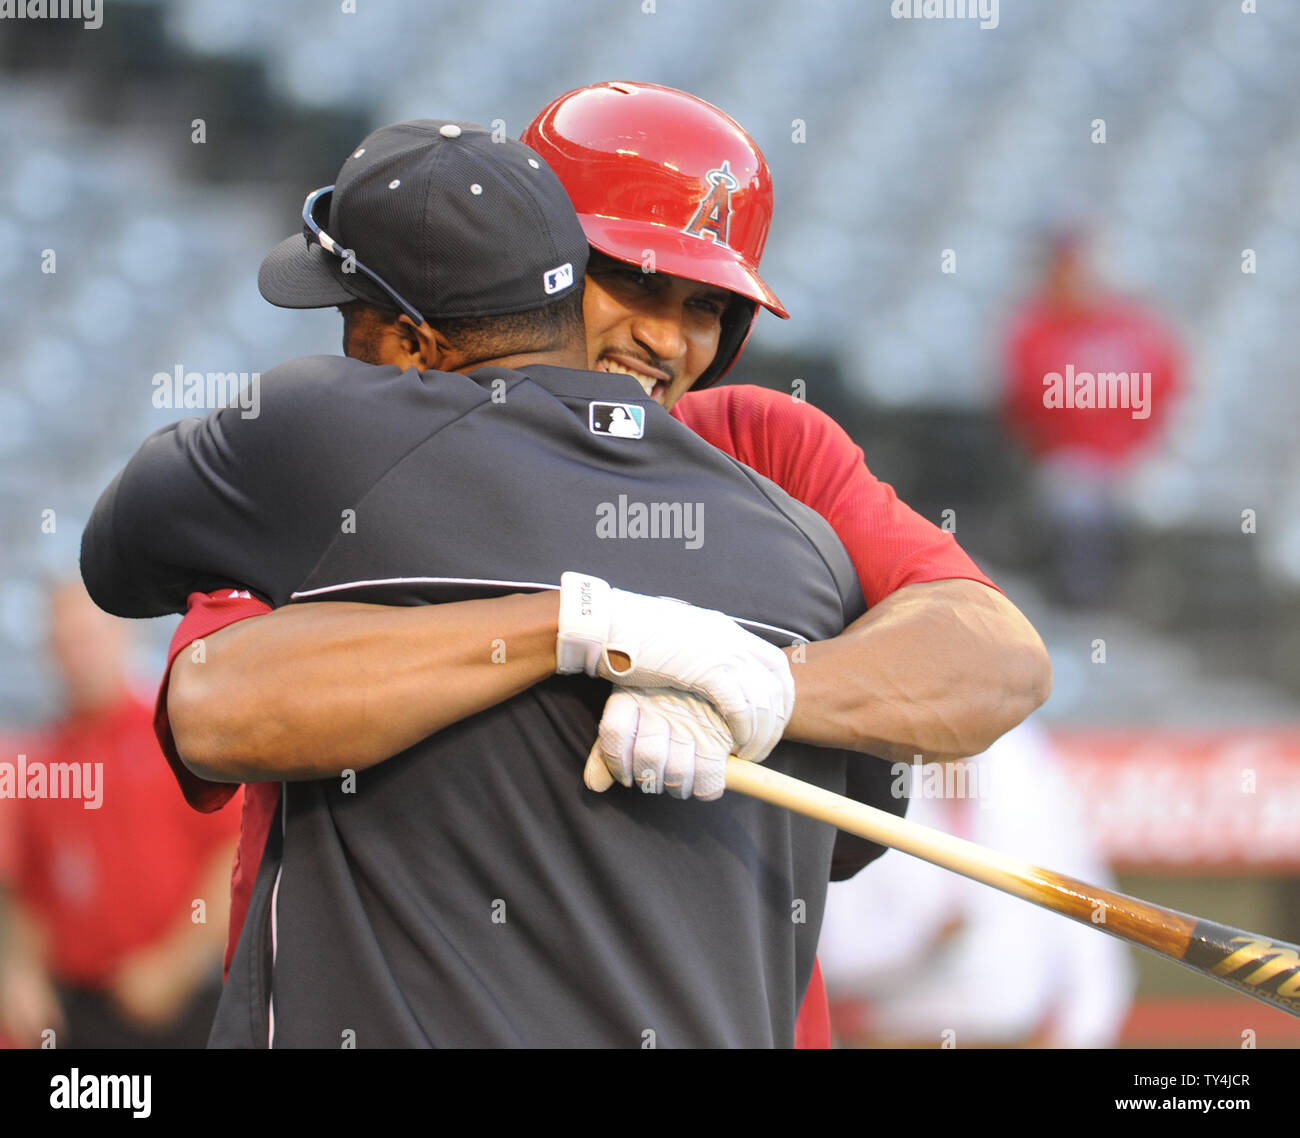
29 1004
665 741
657 642
153 985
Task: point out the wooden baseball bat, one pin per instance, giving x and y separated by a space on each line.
1261 967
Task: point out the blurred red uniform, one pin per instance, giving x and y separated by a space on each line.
1091 379
1111 335
109 880
101 862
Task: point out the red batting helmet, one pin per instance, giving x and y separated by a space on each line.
651 169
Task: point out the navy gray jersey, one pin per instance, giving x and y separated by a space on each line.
470 891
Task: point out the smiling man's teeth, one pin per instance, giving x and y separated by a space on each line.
645 381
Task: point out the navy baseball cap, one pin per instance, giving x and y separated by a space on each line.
453 222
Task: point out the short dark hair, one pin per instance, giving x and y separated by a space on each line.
536 330
489 337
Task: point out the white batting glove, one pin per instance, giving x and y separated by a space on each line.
665 741
670 644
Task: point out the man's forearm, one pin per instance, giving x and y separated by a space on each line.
310 690
941 669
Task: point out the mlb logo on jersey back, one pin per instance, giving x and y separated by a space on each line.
553 280
622 420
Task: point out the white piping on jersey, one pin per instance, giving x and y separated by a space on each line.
420 581
794 636
275 896
270 1007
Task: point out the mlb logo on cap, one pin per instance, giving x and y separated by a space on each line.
556 279
622 420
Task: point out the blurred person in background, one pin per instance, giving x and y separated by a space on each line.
103 866
1090 379
911 951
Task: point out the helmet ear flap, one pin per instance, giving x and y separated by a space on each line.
737 323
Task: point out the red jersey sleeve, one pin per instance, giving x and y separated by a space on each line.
811 457
207 613
812 1030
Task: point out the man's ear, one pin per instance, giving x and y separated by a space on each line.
426 347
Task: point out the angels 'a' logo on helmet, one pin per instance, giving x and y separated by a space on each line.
713 216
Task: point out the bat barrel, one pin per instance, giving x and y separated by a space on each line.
1260 966
1265 968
